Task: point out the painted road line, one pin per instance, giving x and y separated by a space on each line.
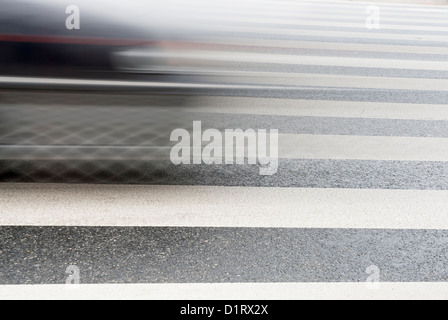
291 146
315 45
299 60
329 16
325 12
245 81
234 291
271 79
361 24
202 206
326 33
345 147
298 108
319 108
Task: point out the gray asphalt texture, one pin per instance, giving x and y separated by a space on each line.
210 255
347 174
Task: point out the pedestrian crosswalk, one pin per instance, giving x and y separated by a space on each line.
362 180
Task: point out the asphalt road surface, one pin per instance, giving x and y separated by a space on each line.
360 194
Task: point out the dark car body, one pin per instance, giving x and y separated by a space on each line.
34 39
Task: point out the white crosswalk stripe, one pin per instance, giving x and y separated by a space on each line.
235 291
223 207
327 33
316 45
291 47
321 108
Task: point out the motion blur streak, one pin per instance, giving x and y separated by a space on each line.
158 52
150 36
118 48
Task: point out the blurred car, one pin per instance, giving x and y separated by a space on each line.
35 40
91 122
